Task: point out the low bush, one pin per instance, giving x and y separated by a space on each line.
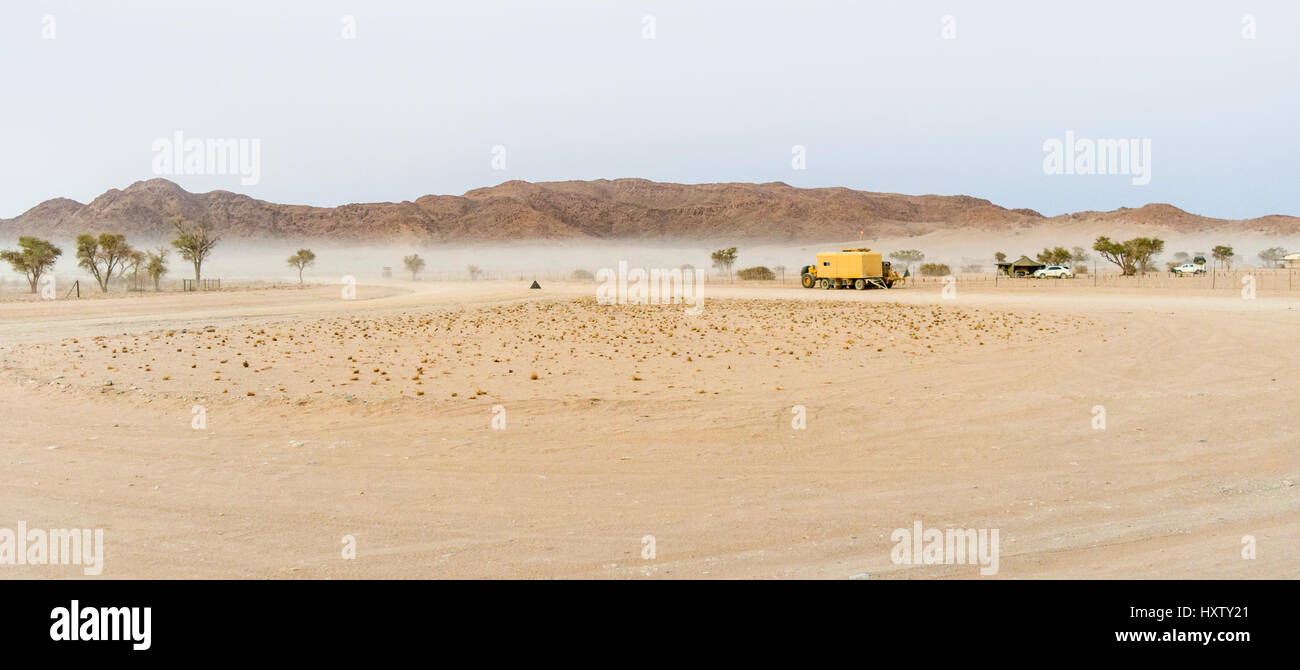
935 270
756 272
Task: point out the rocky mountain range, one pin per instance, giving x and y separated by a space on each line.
627 209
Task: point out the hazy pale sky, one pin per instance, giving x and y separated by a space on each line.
954 97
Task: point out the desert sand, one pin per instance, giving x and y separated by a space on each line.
373 418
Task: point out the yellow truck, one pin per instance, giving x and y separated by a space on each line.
850 268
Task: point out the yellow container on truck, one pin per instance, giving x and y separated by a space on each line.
849 268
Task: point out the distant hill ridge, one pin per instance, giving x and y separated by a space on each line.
622 209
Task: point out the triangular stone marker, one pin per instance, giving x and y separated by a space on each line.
535 284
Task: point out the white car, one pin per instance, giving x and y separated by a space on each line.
1055 272
1189 269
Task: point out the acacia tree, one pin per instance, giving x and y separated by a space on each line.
907 257
1272 255
1057 256
33 258
1131 255
724 259
1079 255
301 260
135 261
194 240
156 266
103 256
414 264
1223 253
1145 252
1000 257
1114 252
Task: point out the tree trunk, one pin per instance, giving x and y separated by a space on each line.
300 276
197 266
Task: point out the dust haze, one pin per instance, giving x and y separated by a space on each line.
265 261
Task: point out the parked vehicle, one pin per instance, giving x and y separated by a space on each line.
1189 269
850 268
1054 272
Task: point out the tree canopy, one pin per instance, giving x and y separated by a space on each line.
301 260
724 259
1272 255
103 256
194 240
414 264
1130 255
1223 253
1055 256
33 258
156 265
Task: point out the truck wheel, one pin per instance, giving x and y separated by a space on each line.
860 285
825 283
808 281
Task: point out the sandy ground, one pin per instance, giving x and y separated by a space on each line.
372 418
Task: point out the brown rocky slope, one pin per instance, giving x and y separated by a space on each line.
633 209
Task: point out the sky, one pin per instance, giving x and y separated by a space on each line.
352 101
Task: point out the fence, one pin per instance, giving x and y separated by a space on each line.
1265 279
206 285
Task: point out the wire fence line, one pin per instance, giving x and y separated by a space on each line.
1275 279
1264 279
1271 279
